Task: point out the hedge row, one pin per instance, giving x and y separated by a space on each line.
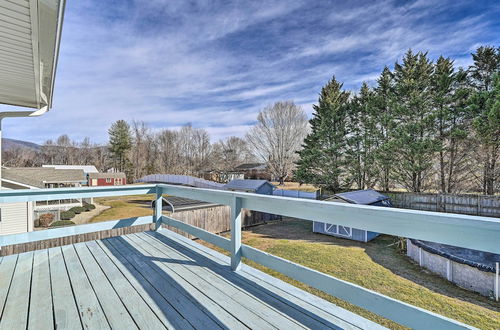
70 214
62 223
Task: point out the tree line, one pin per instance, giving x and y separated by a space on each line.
138 150
424 126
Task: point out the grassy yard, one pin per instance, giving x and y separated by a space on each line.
374 265
124 207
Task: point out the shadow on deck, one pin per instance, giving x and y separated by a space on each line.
152 280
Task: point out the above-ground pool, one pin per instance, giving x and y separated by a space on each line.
471 269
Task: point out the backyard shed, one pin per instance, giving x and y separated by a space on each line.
362 197
262 187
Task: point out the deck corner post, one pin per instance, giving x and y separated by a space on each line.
236 233
157 217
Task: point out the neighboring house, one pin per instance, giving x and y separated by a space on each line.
254 171
262 187
16 218
107 179
222 176
363 197
20 217
41 177
87 169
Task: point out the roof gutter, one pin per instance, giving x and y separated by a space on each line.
44 101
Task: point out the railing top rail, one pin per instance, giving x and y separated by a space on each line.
30 195
474 232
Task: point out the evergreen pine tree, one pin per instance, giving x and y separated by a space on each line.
362 139
414 134
322 157
120 143
452 118
487 127
384 121
484 79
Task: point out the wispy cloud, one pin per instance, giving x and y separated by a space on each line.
215 64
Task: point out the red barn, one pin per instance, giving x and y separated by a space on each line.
107 179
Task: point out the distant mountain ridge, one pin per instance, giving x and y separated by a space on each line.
8 144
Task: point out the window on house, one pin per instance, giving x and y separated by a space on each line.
108 180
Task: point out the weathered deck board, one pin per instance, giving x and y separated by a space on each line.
239 294
90 310
152 281
15 313
6 271
141 313
173 267
194 312
116 313
41 297
158 304
64 310
313 306
298 309
214 315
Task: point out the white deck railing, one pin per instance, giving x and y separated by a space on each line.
472 232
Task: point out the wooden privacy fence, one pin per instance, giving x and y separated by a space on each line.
481 205
217 219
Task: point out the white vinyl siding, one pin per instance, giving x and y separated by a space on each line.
14 218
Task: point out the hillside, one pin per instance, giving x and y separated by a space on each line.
8 144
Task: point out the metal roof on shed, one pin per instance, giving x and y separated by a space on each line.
240 184
363 197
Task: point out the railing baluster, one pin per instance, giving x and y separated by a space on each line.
158 212
236 233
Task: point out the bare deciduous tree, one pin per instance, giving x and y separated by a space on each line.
227 154
278 135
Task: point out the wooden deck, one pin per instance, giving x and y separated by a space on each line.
152 280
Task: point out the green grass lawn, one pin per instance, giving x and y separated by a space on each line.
376 265
124 207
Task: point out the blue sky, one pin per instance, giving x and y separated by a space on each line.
215 64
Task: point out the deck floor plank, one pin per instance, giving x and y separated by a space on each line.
159 304
41 296
6 272
15 313
173 266
189 299
313 306
238 292
66 314
137 307
307 314
116 313
90 310
153 280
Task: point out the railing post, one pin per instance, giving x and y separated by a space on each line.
236 233
158 208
